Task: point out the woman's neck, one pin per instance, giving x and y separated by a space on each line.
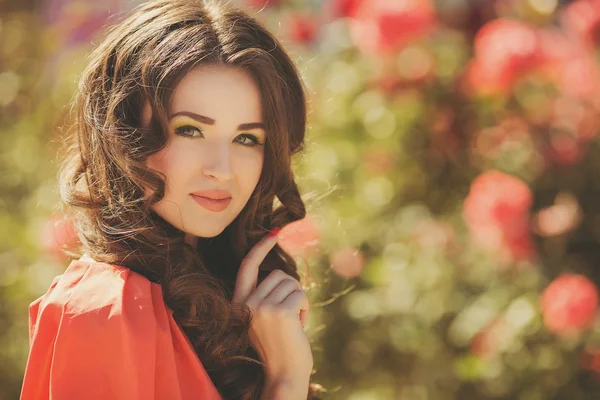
191 240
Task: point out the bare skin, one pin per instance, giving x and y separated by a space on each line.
280 308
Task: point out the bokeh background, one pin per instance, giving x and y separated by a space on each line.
455 250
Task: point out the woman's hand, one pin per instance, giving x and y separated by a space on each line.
280 308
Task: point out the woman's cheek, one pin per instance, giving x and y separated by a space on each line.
250 166
160 160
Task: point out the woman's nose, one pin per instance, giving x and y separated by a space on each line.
217 162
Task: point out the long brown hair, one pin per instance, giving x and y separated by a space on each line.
109 190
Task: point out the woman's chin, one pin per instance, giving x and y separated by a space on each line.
206 234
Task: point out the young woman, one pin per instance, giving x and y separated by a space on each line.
187 117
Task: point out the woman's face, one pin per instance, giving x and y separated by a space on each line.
215 142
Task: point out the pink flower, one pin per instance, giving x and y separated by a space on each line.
496 212
56 234
564 149
299 238
505 50
569 304
577 117
582 20
348 262
382 26
571 66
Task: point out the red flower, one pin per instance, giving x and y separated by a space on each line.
505 50
56 234
303 28
497 214
300 237
346 8
569 304
382 26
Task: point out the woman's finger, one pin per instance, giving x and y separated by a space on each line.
247 275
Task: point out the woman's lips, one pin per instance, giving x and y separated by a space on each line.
212 204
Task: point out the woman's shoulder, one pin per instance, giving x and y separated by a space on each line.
90 290
104 332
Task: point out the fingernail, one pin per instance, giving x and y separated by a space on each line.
274 232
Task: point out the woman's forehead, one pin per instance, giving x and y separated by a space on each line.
215 90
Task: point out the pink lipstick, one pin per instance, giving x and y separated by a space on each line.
212 204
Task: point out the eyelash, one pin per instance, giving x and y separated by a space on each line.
184 128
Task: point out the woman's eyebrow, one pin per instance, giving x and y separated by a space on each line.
210 121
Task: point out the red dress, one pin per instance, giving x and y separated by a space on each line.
104 332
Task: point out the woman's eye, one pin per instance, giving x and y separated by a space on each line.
192 131
186 129
252 140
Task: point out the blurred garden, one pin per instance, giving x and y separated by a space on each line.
454 252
